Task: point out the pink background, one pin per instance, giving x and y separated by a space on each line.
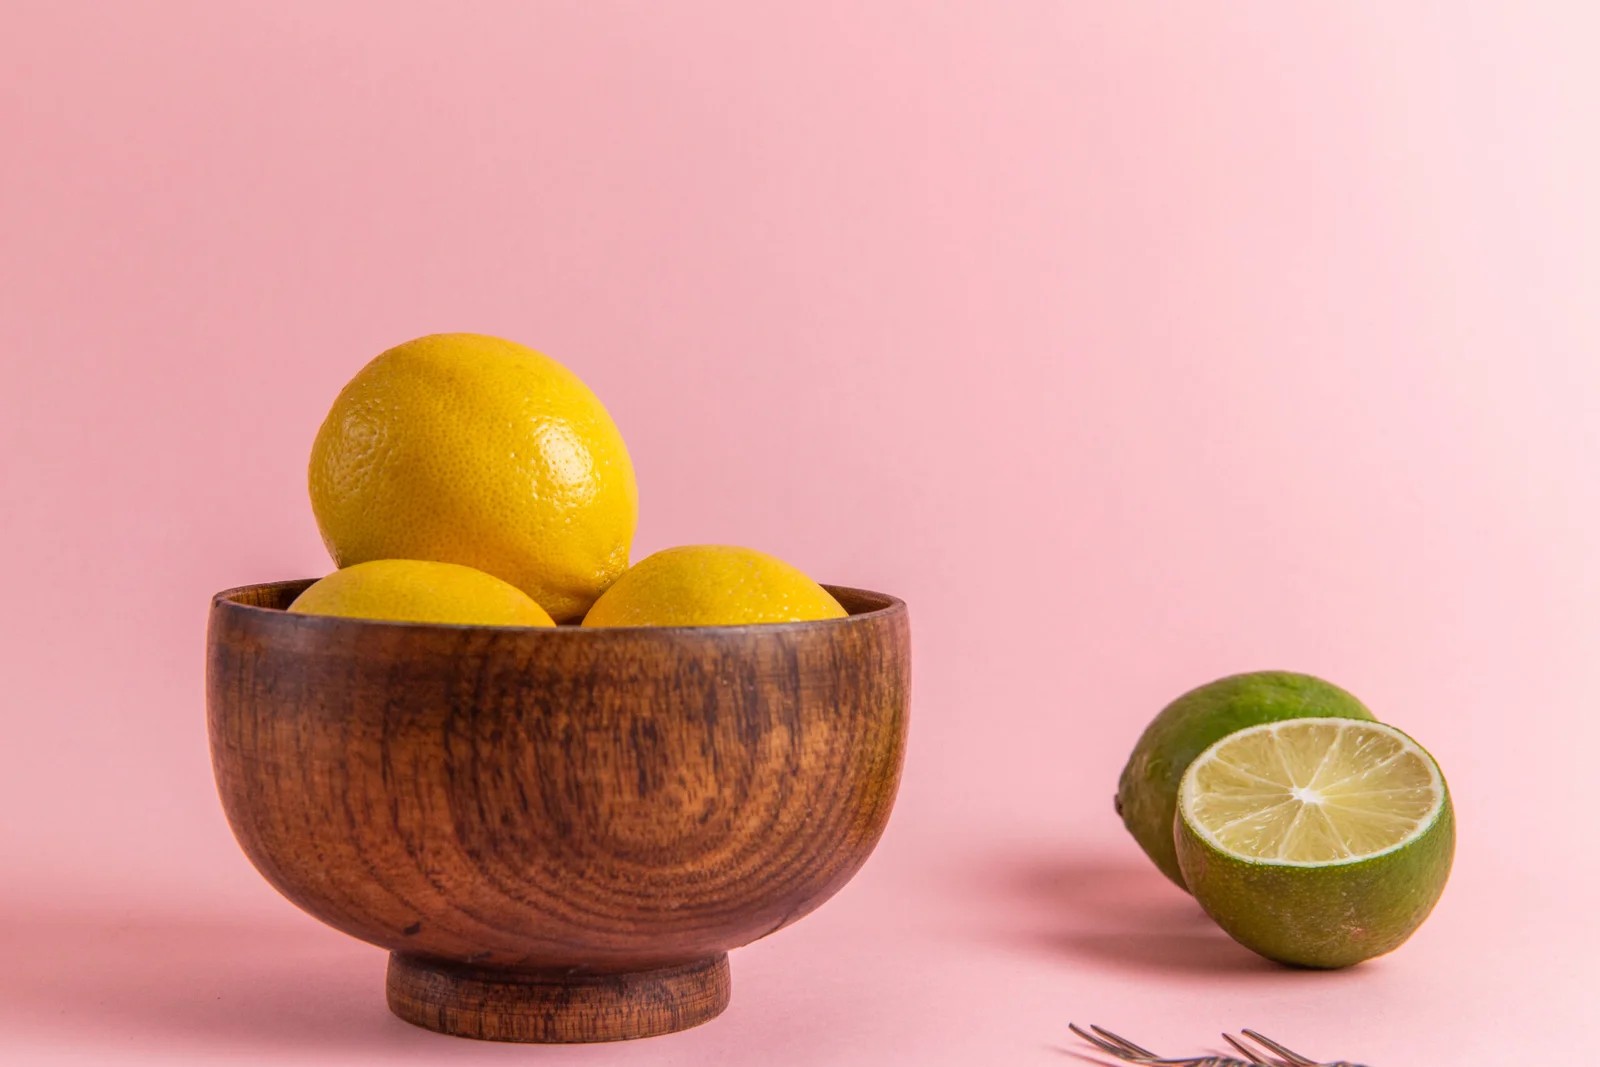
1133 344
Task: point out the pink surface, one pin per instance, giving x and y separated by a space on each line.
1132 344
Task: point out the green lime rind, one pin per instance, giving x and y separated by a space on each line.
1325 915
1147 795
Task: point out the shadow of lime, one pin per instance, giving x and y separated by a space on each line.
1106 909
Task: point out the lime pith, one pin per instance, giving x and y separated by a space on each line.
1316 842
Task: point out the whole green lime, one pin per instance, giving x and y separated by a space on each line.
1147 796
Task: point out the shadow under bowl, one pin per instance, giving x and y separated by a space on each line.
557 833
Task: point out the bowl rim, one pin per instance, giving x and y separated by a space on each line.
889 606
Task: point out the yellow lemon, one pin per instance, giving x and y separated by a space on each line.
712 585
410 590
469 449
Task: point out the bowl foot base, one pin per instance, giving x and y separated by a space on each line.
555 1006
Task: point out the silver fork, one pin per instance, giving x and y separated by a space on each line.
1128 1052
1283 1057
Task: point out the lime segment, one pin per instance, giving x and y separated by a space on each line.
1312 791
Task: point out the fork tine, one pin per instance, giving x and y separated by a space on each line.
1294 1058
1124 1042
1119 1051
1250 1054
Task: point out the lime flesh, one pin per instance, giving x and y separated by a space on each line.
1147 793
1316 842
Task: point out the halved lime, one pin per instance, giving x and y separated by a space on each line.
1147 793
1316 842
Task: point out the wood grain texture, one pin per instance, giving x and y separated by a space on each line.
556 1007
552 806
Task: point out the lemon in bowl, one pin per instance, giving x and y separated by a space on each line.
469 449
712 585
411 590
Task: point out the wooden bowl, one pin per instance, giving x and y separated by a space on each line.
558 834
